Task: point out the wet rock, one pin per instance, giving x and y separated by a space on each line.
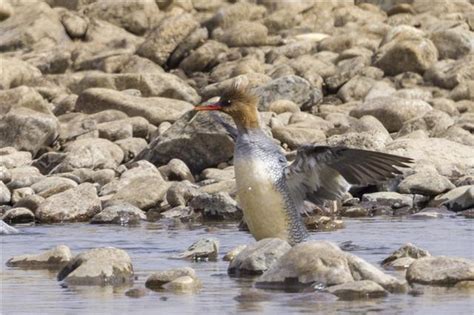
355 212
161 42
453 43
218 206
154 109
198 139
183 284
122 214
230 255
425 183
387 198
392 111
322 223
76 204
432 213
404 49
55 258
364 289
136 292
443 271
204 249
24 176
99 266
5 229
18 216
176 170
257 258
5 195
90 153
160 278
458 199
293 88
11 158
52 185
404 256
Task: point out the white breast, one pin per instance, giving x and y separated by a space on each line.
262 204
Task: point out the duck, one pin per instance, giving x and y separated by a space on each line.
271 191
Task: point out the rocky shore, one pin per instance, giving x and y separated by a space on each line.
97 126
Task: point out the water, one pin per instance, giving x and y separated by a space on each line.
150 245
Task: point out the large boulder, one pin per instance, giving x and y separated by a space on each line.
55 258
198 139
155 109
99 266
458 199
76 204
425 183
444 271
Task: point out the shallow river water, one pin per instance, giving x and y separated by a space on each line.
151 244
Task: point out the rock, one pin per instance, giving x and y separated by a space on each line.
90 153
398 259
11 158
463 91
230 255
5 229
159 84
37 27
204 249
391 111
283 106
218 206
5 195
449 73
388 198
6 10
21 193
161 42
131 147
135 16
28 130
243 33
24 176
401 52
453 43
143 192
160 278
203 58
99 266
356 88
180 193
155 109
115 130
257 258
99 177
18 216
293 88
31 202
458 199
15 72
22 96
176 170
183 284
425 183
52 185
240 11
124 214
197 139
433 213
191 42
76 204
440 271
55 258
434 122
295 136
136 292
355 212
5 175
74 24
364 289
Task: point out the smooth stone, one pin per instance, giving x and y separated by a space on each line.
55 258
364 289
122 214
440 271
183 284
397 258
156 280
230 255
216 206
204 249
18 216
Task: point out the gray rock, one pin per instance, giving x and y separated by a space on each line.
124 214
131 147
115 130
5 229
193 40
355 212
218 206
21 193
6 10
356 88
203 58
22 96
154 109
388 198
16 73
291 88
55 258
458 199
392 111
176 170
24 176
363 289
463 91
434 122
204 249
197 139
52 185
296 136
31 202
156 280
98 177
453 43
183 285
18 216
449 73
5 195
11 158
76 204
230 255
5 175
433 213
136 292
180 193
406 251
443 271
240 11
74 24
257 258
161 42
244 33
90 153
219 174
99 266
425 183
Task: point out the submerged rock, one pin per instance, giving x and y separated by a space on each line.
204 249
364 289
55 258
157 280
183 284
443 271
99 266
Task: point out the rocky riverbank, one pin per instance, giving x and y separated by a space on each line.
96 121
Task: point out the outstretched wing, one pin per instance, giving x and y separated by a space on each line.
321 173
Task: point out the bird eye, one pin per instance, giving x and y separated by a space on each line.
226 102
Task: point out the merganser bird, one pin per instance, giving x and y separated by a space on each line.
270 191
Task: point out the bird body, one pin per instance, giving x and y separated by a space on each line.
272 192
